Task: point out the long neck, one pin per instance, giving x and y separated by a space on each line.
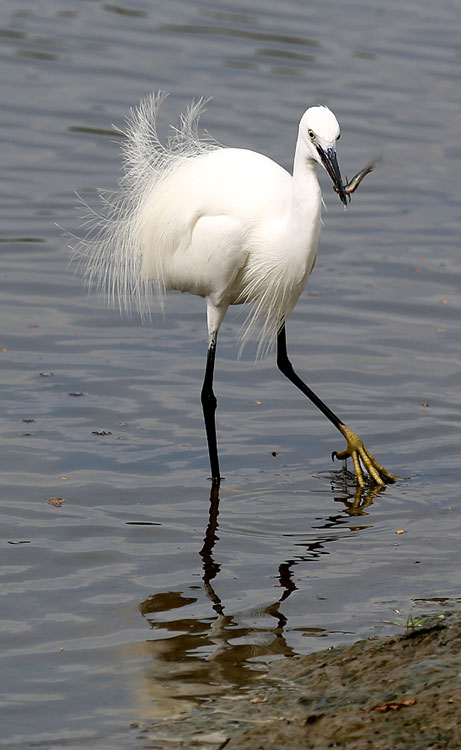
307 197
286 254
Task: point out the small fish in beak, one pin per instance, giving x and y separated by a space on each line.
353 184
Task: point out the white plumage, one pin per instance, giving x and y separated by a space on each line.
227 224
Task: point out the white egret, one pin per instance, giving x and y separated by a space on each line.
227 224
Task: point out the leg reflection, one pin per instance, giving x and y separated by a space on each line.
195 653
211 570
355 498
210 567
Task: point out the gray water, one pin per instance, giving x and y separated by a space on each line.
113 609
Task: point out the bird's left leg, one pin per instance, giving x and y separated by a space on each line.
355 448
209 404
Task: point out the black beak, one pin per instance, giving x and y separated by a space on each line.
330 162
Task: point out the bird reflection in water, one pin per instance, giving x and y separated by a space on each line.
201 657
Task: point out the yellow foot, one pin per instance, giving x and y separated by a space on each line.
360 455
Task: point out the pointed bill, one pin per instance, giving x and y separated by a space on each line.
330 162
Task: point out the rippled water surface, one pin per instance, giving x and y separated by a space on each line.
137 596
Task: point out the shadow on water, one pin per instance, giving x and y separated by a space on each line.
201 658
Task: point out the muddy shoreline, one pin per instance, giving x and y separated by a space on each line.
394 692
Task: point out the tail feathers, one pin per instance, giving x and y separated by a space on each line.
111 250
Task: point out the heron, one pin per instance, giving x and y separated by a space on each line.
228 224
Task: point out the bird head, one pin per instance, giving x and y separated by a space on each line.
319 129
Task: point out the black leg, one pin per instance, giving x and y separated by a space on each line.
285 366
209 407
355 449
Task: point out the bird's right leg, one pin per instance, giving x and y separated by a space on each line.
209 404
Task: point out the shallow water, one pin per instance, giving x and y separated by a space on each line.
132 599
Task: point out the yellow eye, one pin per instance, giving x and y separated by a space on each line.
311 135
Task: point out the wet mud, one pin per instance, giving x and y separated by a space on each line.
393 692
